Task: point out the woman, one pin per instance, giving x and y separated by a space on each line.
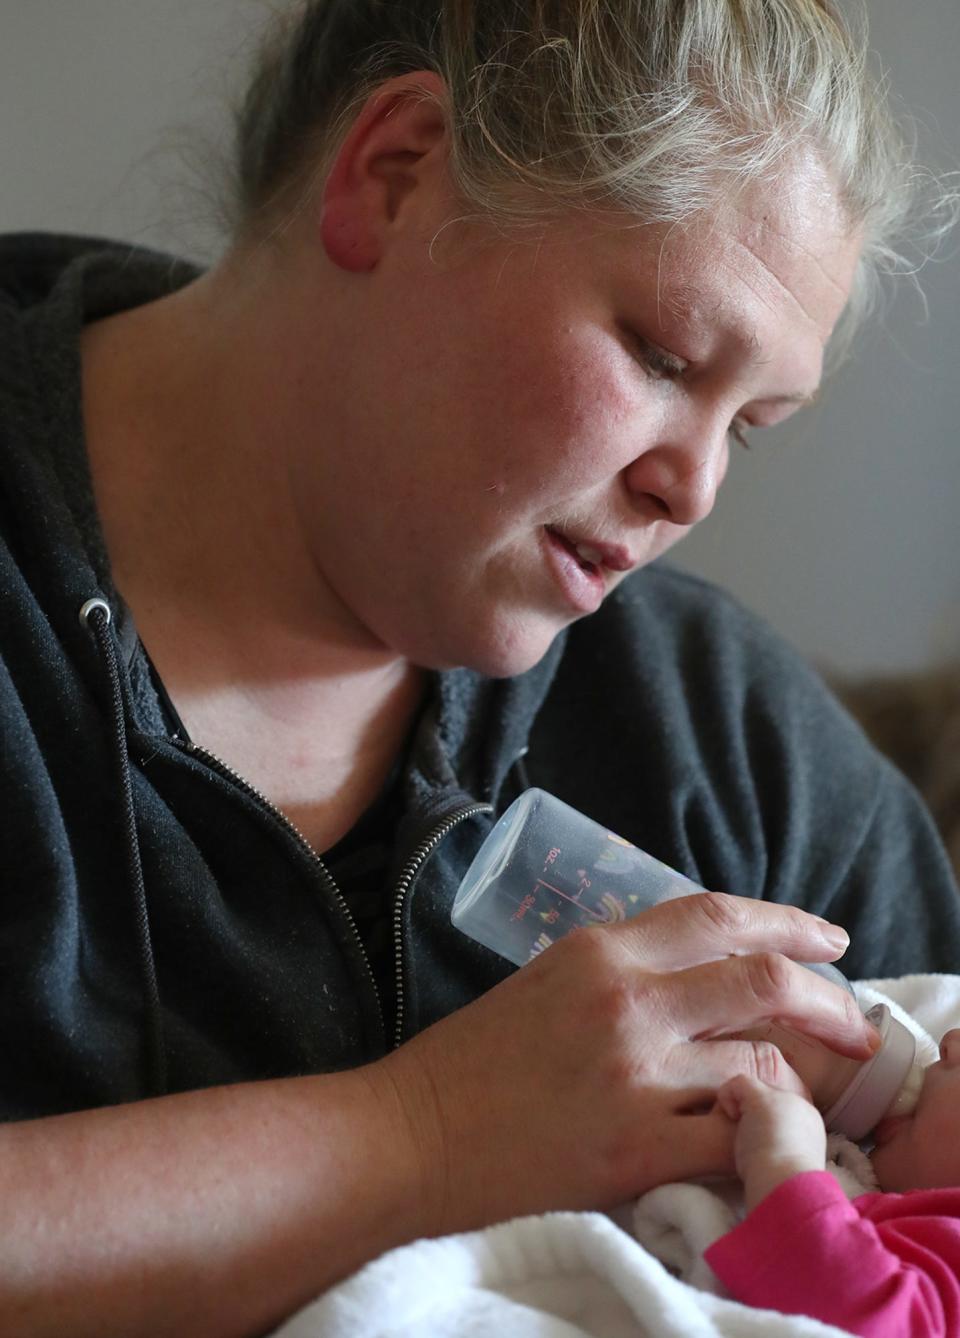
505 278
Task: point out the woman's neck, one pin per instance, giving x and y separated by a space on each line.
185 427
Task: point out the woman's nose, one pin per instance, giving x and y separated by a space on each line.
681 477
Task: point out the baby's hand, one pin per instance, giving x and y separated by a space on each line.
779 1134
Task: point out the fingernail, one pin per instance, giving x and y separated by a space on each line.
837 938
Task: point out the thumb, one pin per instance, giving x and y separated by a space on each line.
730 1097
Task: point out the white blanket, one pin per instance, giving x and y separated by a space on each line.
574 1275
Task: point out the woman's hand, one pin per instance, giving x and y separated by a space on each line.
779 1134
590 1076
580 1081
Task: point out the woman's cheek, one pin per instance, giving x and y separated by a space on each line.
600 414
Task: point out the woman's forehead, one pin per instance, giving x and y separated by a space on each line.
778 260
790 232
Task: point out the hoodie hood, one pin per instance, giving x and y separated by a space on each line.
33 263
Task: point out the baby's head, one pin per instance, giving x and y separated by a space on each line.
921 1150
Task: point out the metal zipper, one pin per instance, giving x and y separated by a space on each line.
410 871
217 764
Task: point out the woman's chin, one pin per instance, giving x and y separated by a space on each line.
512 648
496 649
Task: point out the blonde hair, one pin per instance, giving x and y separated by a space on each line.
658 108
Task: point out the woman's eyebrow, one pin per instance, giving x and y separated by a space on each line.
735 328
686 304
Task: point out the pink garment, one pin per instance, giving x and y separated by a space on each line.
884 1266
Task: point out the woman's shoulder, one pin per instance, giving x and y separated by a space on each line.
698 648
685 723
688 611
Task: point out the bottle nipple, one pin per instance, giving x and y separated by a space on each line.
906 1099
889 1083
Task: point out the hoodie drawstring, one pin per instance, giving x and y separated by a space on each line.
518 768
96 615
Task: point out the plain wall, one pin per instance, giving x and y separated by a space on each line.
842 529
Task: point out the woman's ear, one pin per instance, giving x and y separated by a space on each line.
395 148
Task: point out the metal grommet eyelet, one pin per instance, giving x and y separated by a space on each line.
89 607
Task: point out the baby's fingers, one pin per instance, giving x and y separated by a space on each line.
729 1097
747 1094
745 1091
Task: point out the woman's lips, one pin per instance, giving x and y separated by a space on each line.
615 557
583 583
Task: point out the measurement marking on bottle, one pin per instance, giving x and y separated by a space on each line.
584 910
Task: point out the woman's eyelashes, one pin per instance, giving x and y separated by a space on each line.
657 362
664 366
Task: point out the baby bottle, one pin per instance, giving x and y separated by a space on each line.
546 869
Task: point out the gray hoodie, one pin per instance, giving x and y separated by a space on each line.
162 927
